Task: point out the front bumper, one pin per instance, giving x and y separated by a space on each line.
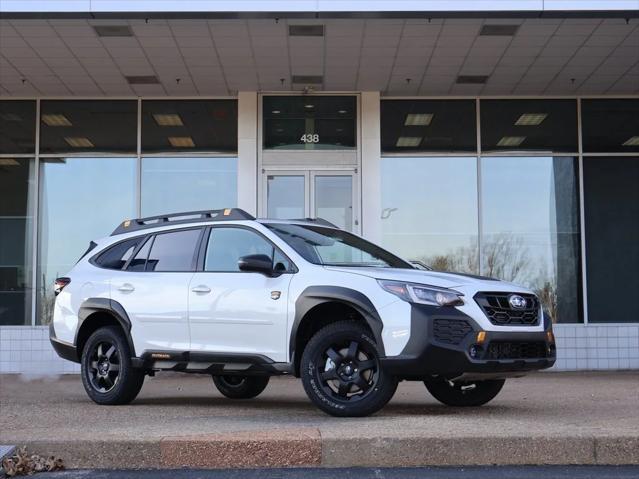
501 353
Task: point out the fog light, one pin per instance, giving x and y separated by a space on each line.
474 351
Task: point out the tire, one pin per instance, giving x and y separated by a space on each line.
341 372
107 373
241 387
465 394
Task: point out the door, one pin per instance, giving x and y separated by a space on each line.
154 291
296 194
239 311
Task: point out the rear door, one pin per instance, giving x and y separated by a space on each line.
154 290
237 311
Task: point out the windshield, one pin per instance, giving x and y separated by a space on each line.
332 247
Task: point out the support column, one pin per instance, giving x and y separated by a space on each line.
371 167
247 151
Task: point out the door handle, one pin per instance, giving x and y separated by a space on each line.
126 288
201 289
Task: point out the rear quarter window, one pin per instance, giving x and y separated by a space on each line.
116 256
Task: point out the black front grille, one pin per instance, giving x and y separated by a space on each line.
516 350
451 331
498 310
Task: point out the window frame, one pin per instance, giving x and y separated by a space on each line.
94 259
203 247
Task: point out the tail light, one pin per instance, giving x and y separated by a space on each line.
59 284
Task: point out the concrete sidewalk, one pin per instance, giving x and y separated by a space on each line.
180 420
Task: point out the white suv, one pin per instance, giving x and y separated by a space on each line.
221 293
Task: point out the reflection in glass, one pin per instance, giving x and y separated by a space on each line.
429 211
81 199
611 206
530 224
16 234
334 199
173 185
610 125
17 127
285 197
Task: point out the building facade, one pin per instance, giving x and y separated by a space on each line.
476 140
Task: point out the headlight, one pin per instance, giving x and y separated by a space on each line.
423 294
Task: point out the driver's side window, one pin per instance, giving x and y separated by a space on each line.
227 245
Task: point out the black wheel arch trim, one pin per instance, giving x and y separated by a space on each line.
105 305
316 295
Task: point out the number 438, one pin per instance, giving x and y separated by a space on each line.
310 138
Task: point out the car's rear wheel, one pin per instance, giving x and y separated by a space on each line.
241 387
464 394
341 372
107 373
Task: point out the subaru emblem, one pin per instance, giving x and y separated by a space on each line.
517 302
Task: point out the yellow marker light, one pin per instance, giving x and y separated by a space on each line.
550 336
127 223
481 336
227 211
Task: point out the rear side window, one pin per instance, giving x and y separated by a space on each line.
173 251
117 255
138 263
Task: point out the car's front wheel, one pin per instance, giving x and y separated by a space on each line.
241 387
341 372
464 394
108 376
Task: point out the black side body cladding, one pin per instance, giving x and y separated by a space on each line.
115 309
316 295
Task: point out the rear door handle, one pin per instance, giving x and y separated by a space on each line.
201 289
126 288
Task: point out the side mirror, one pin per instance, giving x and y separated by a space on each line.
258 263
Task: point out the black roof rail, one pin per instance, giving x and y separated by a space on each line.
319 221
226 214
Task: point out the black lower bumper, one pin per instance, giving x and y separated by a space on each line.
63 349
429 353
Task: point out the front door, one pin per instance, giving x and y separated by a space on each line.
296 194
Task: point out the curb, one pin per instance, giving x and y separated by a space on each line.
307 447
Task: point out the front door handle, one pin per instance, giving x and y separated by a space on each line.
201 289
126 288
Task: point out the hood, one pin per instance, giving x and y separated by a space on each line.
433 278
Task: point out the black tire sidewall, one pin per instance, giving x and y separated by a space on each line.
383 390
250 387
130 379
484 392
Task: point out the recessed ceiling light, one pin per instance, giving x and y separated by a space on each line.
531 119
342 112
78 142
632 141
8 162
276 112
181 142
309 106
142 80
408 141
306 30
511 141
50 119
279 130
307 79
113 30
339 130
10 117
167 119
472 79
418 119
498 30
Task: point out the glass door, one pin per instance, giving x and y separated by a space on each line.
311 194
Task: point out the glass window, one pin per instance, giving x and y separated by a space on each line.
333 247
172 185
310 122
173 252
170 126
610 125
428 125
286 195
138 263
530 229
529 125
611 205
90 126
17 127
81 199
16 239
429 211
117 255
227 245
334 199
